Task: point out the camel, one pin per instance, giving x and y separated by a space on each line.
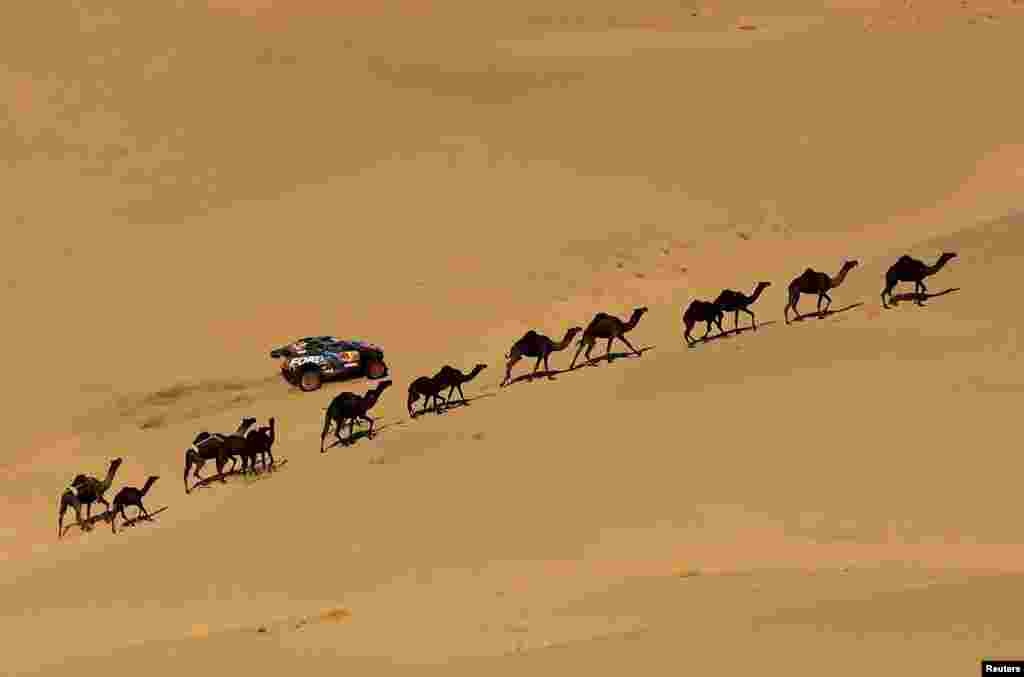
349 407
536 345
429 388
453 378
701 311
86 490
607 327
258 445
813 282
215 446
731 301
908 269
131 496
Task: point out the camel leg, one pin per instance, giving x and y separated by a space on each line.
462 395
222 461
887 290
718 323
586 354
579 348
922 293
536 366
508 369
323 433
68 500
547 367
105 505
753 320
629 345
370 433
794 300
828 304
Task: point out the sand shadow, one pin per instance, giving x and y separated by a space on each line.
827 313
142 518
730 332
895 299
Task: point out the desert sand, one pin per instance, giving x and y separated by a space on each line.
188 184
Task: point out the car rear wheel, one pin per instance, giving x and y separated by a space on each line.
376 369
310 380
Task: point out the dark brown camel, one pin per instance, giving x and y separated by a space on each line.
731 301
349 407
429 388
215 446
539 346
131 496
453 378
605 326
86 490
701 311
908 269
258 445
813 282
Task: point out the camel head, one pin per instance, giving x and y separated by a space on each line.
476 370
635 317
850 264
149 482
247 422
374 394
946 257
762 285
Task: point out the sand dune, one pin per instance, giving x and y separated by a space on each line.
190 184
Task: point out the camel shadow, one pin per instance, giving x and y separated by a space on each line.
142 518
89 524
608 358
360 434
207 482
551 374
910 296
827 313
731 332
460 403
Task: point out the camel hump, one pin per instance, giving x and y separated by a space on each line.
904 259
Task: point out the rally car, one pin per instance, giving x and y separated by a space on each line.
310 361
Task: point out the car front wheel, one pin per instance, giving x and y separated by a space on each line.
310 380
376 369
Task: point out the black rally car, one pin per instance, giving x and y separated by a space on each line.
310 361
